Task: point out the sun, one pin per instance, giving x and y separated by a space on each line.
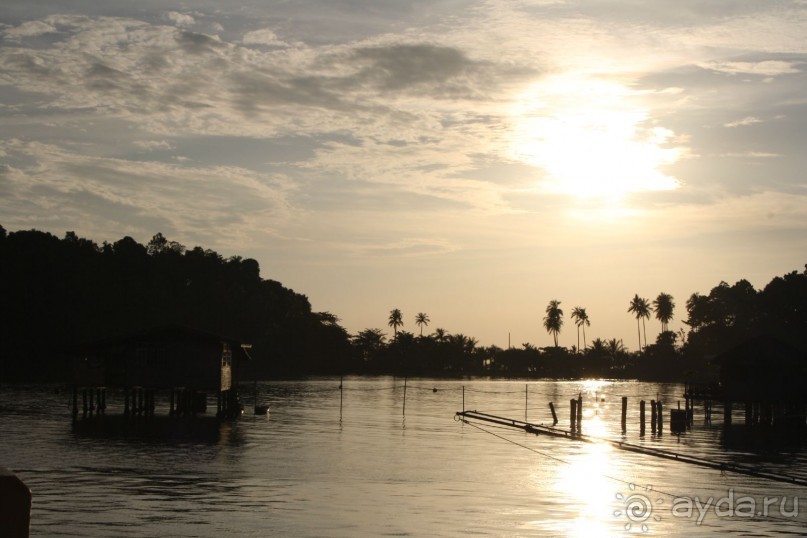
592 138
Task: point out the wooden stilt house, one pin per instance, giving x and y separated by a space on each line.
186 364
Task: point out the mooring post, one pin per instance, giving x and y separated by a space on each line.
463 398
573 415
404 402
653 410
658 418
641 418
580 413
554 415
727 413
624 414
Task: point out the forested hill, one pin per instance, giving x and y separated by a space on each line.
60 292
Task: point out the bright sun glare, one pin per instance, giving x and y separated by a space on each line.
592 139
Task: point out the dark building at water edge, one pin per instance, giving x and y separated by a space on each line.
185 364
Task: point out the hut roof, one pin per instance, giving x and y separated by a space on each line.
165 332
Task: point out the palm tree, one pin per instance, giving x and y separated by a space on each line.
615 348
422 319
640 308
553 320
581 320
663 306
395 320
440 334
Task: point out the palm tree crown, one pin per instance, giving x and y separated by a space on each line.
640 308
553 320
581 320
663 306
422 319
395 320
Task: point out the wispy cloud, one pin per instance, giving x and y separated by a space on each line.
748 120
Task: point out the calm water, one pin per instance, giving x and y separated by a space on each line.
309 470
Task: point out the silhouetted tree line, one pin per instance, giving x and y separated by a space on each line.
60 292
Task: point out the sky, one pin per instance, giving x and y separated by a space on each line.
471 160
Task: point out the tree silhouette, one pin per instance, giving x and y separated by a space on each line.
422 319
581 320
663 306
395 320
640 308
553 321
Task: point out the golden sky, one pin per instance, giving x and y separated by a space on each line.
468 159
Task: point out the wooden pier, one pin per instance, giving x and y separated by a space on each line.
540 429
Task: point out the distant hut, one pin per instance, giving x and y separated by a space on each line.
188 362
769 376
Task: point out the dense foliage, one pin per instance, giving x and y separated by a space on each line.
57 293
61 292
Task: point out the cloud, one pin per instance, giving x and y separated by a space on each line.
264 36
180 19
225 201
152 145
752 154
28 29
768 68
748 120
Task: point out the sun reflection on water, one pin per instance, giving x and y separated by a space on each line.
587 487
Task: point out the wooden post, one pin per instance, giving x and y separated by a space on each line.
658 418
624 413
708 410
653 410
573 415
404 402
749 414
341 383
554 415
75 402
641 418
726 413
84 400
463 398
580 413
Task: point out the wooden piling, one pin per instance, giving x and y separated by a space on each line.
653 410
624 414
404 399
660 422
573 415
749 414
463 398
551 408
84 401
75 402
641 418
341 383
580 413
726 413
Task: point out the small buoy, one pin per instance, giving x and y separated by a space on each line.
434 389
